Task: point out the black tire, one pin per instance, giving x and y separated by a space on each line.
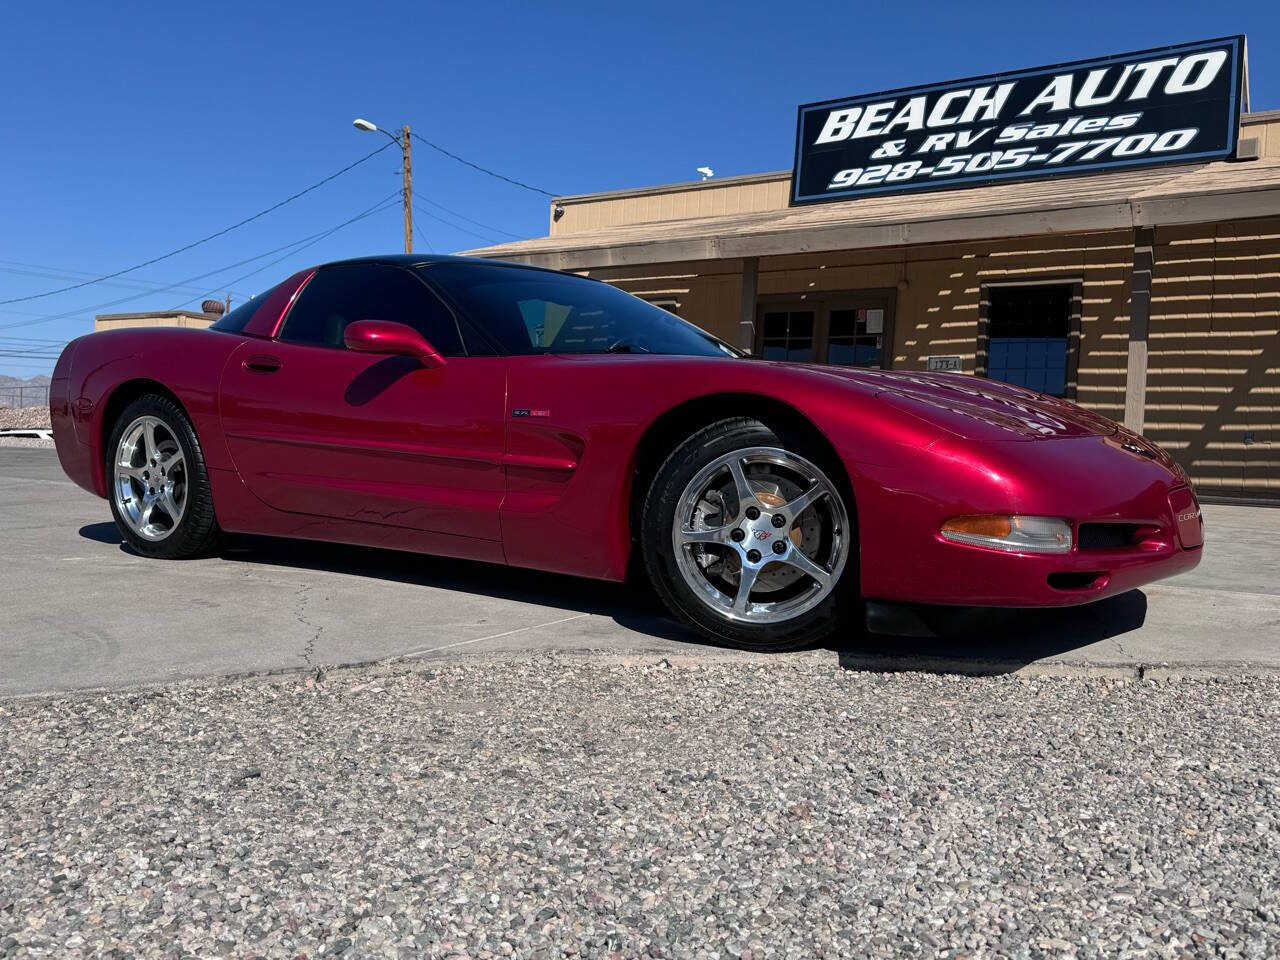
838 609
197 532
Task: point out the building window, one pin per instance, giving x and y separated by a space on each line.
855 336
851 328
1029 336
788 335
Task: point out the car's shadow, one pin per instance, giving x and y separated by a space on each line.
988 640
965 641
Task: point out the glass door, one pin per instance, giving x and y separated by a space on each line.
787 332
855 336
847 329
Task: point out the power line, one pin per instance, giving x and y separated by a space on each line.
471 233
19 355
476 166
112 303
423 237
48 318
31 340
212 236
385 204
47 272
486 226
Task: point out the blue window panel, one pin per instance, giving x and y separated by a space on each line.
1037 350
800 354
1056 381
1016 376
840 353
1017 353
1037 363
1057 354
866 355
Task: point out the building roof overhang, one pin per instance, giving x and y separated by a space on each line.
1124 200
158 315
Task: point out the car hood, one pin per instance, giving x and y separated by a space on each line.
963 405
973 407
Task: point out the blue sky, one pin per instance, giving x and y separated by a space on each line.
133 129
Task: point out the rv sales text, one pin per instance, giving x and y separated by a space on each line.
1131 83
1098 149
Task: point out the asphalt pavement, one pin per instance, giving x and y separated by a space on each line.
81 611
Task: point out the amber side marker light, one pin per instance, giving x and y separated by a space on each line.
1013 534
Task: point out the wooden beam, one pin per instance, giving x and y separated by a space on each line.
747 303
765 240
1135 390
1208 194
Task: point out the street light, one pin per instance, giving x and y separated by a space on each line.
403 140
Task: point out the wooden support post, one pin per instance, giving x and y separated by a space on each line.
747 304
1135 391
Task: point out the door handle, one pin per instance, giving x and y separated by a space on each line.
262 364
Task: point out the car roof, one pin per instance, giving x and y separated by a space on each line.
426 259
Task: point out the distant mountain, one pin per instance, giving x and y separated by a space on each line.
39 380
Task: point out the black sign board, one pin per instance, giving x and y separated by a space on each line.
1176 104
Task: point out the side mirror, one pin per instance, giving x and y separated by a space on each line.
396 339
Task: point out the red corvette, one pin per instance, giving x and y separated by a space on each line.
522 416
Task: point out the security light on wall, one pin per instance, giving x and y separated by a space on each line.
707 173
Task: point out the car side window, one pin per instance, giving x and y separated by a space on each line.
339 295
238 319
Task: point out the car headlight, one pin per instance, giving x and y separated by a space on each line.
1012 533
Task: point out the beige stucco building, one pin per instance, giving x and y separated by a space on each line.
1165 284
160 318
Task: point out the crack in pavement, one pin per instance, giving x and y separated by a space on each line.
308 649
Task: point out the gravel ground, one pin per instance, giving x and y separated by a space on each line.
27 417
25 442
568 805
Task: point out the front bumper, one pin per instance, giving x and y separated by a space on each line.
906 559
963 575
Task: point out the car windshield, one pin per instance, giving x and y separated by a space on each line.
535 311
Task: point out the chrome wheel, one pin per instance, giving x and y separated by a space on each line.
150 483
760 535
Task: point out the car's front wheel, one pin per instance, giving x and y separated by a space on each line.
158 485
747 536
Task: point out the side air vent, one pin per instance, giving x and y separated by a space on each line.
1107 536
1074 581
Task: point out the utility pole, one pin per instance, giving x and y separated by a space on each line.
360 123
408 190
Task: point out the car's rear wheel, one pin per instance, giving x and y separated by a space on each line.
747 536
158 485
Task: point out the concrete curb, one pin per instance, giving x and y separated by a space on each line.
857 663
